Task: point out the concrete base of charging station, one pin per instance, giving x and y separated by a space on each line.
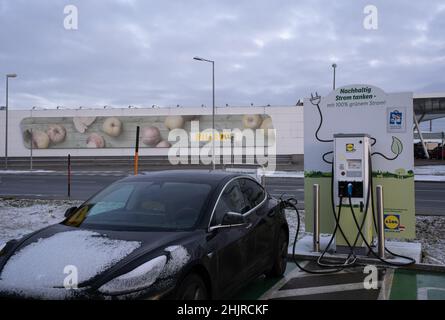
304 247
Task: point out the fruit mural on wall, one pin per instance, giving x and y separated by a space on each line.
120 131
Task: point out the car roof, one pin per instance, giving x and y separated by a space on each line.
202 176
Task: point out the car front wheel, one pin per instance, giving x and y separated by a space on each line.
192 288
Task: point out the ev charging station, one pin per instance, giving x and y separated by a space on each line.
351 178
358 141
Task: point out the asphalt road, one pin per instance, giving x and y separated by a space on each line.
430 196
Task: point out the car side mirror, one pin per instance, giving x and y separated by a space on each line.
69 212
233 218
245 209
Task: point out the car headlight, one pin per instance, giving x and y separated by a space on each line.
139 278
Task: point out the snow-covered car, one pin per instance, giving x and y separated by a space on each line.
170 234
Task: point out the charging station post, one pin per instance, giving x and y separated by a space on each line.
351 184
316 233
380 222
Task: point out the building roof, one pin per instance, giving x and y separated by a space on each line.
429 106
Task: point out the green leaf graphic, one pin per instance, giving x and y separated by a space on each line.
397 146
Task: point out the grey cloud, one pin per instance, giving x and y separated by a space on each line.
131 52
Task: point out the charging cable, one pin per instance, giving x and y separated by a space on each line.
359 228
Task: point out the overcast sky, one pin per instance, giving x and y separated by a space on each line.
138 52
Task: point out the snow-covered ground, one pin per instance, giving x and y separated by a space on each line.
25 171
19 217
430 173
431 234
430 170
430 231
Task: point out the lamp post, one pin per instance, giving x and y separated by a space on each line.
334 66
31 149
10 75
213 105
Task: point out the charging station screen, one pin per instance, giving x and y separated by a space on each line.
355 164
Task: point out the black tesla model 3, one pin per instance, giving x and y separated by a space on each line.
170 234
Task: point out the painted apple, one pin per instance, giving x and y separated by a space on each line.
56 133
252 121
174 122
40 139
163 144
112 126
95 141
151 136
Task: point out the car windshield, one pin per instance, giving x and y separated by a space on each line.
143 205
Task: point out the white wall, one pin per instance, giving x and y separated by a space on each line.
287 120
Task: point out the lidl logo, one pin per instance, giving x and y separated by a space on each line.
350 147
392 222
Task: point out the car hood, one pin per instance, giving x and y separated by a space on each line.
46 263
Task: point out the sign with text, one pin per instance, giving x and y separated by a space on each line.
385 117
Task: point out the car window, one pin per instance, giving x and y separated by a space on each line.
231 199
115 198
253 193
143 205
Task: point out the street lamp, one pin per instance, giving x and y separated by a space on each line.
213 105
10 75
334 66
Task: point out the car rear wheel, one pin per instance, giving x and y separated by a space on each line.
280 258
192 288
